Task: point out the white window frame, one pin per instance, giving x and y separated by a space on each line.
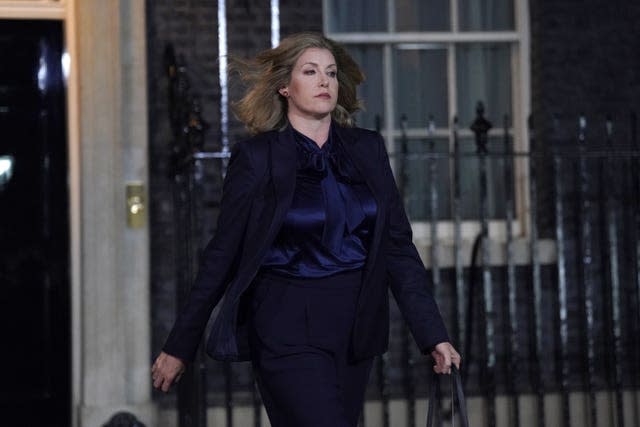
34 9
519 39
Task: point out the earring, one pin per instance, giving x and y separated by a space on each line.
285 93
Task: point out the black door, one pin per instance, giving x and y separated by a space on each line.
34 231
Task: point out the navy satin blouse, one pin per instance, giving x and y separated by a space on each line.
328 227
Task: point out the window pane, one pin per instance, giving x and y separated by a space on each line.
357 15
422 15
370 60
486 15
420 76
484 74
470 179
426 161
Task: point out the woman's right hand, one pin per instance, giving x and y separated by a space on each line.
166 370
445 355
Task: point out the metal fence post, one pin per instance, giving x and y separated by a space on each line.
511 339
563 309
612 218
586 253
480 128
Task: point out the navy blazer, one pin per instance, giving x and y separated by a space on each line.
257 193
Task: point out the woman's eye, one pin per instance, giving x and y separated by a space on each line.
332 74
309 72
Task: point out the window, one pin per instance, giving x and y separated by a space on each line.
438 58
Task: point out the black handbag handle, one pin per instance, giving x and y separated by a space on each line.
457 394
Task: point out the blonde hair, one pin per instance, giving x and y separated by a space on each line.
263 109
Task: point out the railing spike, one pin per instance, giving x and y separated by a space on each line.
480 127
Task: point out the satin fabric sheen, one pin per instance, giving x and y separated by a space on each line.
328 227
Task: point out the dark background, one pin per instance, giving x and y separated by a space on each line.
583 62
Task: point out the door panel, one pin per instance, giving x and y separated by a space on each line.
34 236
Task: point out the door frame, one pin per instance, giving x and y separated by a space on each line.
107 149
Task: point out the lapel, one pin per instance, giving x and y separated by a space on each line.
283 173
359 151
282 158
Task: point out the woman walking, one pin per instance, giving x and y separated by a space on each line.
311 234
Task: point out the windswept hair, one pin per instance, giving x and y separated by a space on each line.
263 109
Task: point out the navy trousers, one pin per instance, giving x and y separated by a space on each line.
300 345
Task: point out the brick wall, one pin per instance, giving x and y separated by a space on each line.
584 61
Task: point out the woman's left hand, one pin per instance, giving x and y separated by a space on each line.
444 355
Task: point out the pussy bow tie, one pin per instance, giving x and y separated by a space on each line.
343 210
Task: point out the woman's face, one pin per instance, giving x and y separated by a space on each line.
312 91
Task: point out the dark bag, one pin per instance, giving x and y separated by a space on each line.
457 399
